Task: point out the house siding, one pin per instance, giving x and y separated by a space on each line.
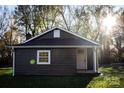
63 62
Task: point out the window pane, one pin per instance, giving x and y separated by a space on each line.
43 54
43 57
43 60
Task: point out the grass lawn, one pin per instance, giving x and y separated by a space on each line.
112 77
6 80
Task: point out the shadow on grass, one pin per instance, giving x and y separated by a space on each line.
78 81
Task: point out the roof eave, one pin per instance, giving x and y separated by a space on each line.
55 46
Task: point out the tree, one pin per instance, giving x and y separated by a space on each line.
36 18
118 35
5 16
4 20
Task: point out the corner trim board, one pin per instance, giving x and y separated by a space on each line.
86 59
13 53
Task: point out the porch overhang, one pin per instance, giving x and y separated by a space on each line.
55 46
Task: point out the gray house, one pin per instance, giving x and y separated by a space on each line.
55 52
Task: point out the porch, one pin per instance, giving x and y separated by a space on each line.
86 60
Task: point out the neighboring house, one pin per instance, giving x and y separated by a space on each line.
55 52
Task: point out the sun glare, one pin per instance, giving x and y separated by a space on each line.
108 23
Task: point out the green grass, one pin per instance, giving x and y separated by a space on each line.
5 71
6 80
112 77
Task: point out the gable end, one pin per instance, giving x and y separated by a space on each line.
58 36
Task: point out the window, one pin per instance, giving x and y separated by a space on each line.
56 33
43 57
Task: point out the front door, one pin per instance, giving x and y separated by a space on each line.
81 59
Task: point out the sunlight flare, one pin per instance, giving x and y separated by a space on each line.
109 22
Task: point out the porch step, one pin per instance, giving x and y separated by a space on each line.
85 71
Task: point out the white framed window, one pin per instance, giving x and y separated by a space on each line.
56 34
43 56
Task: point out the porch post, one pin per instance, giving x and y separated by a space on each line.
13 54
94 59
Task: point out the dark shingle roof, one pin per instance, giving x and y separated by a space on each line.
56 41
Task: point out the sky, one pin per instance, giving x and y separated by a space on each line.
11 7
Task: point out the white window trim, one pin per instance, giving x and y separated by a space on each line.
49 54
